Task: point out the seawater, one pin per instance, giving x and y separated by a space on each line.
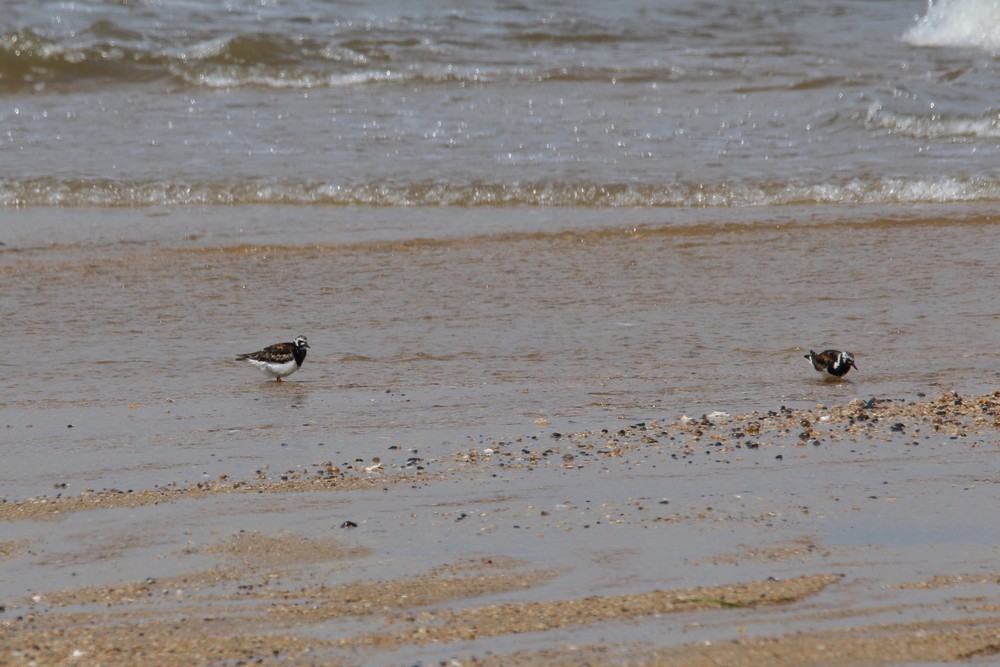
119 371
499 103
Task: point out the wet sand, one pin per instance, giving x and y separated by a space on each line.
723 539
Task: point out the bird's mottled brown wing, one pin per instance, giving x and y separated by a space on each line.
277 353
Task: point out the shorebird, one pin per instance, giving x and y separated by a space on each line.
279 360
832 362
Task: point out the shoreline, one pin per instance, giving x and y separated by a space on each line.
951 415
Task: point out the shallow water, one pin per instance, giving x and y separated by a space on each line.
419 341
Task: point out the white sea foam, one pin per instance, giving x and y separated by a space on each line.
933 125
112 193
958 23
228 77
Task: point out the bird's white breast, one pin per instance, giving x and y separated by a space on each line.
278 370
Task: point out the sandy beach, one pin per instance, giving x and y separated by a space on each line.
511 552
559 265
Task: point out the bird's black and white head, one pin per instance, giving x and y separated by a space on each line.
843 363
301 345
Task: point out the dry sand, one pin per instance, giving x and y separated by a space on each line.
854 534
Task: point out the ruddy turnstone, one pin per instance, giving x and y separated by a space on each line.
832 362
278 360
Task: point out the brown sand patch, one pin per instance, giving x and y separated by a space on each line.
802 549
252 550
177 643
45 507
172 635
12 548
255 562
467 624
173 589
442 584
95 548
877 645
949 580
231 615
210 593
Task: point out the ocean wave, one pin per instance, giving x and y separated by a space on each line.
934 125
958 23
29 61
109 55
111 193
